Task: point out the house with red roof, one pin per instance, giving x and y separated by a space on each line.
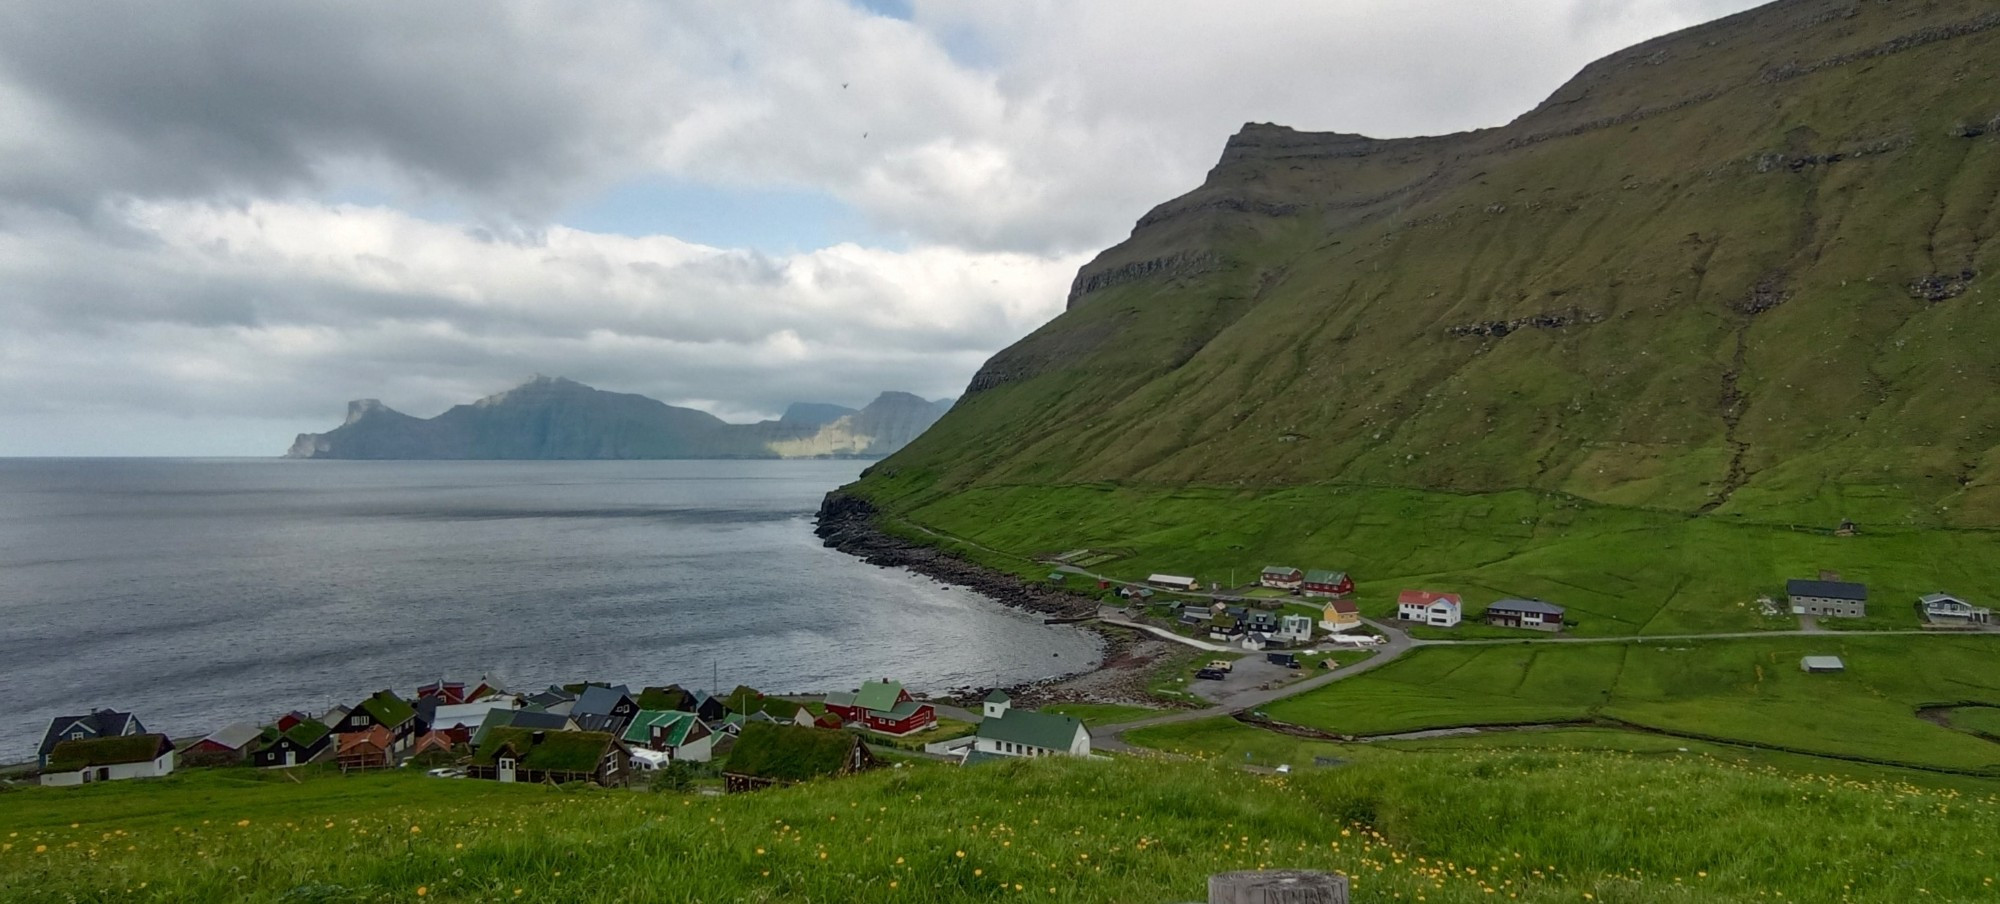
1429 607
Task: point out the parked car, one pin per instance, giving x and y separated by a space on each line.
1211 674
446 772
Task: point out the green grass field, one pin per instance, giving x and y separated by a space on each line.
1743 690
1551 826
1619 571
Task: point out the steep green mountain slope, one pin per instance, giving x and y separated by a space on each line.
1740 271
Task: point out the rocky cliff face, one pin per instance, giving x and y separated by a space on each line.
554 418
1741 268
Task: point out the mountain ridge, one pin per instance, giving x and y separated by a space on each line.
558 418
1695 278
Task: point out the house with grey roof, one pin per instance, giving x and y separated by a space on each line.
1945 609
1831 599
98 723
1538 615
229 744
1011 732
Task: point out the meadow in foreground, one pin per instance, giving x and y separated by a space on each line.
1473 825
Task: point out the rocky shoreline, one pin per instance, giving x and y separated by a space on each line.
848 523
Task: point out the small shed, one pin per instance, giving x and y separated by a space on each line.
1822 664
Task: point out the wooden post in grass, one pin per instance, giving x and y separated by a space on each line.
1280 886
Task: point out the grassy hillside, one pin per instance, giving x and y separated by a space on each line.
1619 570
1466 825
1733 276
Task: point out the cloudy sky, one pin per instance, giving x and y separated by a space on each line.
222 219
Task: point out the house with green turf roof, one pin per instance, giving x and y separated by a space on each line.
1026 733
82 761
770 754
513 754
885 707
673 696
679 734
305 741
383 708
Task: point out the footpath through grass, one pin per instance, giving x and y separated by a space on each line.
1749 690
1455 826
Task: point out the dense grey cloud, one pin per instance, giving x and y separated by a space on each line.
221 218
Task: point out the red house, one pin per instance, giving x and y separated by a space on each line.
884 707
1327 583
291 720
446 692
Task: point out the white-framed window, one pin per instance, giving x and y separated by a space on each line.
507 763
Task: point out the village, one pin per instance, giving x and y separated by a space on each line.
743 739
600 734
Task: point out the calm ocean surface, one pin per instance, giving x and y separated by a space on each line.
201 592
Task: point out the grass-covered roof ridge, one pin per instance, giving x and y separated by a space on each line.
82 753
789 752
388 709
556 751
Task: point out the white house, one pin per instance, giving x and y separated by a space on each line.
1174 582
1438 610
1948 609
1006 731
109 759
1837 599
1296 628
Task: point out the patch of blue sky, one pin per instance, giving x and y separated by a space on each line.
894 9
771 220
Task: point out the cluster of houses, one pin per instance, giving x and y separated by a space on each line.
596 733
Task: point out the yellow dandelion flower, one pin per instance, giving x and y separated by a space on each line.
961 855
422 891
414 830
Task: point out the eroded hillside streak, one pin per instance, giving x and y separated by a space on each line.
1733 401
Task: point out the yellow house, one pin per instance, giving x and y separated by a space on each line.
1340 615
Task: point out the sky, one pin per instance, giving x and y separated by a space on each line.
220 220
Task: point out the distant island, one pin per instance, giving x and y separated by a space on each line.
556 418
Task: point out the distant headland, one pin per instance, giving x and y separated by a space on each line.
555 418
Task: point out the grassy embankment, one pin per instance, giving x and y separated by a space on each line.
1435 826
1750 691
1619 571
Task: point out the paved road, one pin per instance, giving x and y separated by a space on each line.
1112 737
